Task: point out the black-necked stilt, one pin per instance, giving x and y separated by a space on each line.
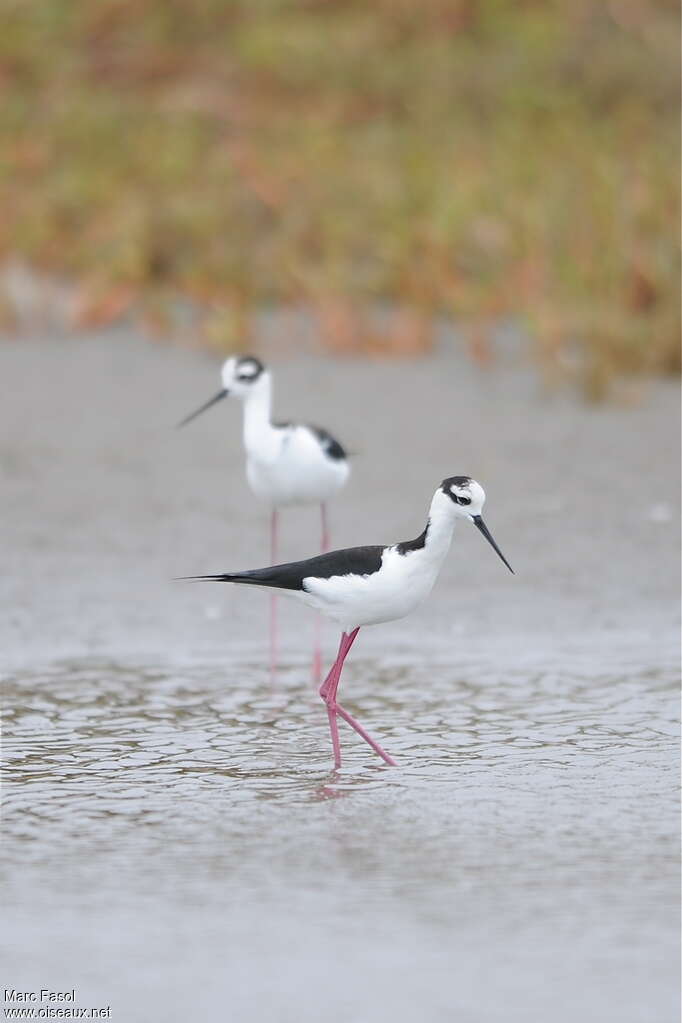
286 463
368 585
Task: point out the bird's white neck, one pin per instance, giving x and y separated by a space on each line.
261 440
440 527
430 549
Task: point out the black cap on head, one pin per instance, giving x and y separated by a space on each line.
248 368
455 481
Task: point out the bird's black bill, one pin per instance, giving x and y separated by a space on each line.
480 524
217 397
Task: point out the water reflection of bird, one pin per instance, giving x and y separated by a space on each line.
286 463
369 585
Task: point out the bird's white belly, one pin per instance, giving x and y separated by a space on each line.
401 585
299 474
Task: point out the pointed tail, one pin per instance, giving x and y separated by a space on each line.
284 577
227 577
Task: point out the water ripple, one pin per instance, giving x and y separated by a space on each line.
97 752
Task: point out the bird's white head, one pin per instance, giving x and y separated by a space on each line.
242 376
466 498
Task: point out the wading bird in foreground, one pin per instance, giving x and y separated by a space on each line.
286 463
369 585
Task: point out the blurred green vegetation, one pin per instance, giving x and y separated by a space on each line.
479 158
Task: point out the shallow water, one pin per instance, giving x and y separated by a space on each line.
175 843
528 836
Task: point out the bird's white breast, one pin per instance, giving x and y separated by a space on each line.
400 585
294 471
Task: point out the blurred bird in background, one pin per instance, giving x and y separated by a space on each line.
286 464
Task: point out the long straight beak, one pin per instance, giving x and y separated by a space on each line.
480 524
216 397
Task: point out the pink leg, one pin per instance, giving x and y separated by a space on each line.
361 731
334 730
273 598
329 686
317 644
328 693
317 651
325 529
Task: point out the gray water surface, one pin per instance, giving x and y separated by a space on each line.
175 843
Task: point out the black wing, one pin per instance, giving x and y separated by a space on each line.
329 444
352 561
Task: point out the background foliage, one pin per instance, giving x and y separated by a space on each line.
479 158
